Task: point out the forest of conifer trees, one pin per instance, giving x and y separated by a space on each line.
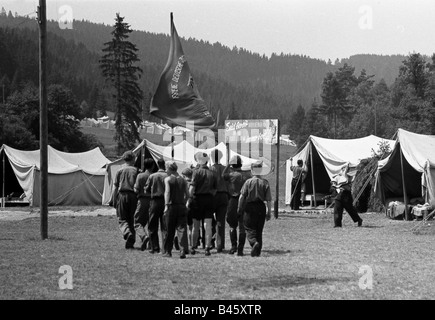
361 95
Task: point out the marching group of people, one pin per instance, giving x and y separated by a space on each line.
198 202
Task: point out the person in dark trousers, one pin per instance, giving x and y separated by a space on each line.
342 195
141 216
176 195
155 186
297 181
125 179
235 177
202 189
220 200
255 192
187 175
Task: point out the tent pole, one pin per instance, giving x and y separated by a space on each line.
277 172
227 146
312 174
405 196
3 186
143 155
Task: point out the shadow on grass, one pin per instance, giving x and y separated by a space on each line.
300 216
278 252
50 238
371 226
286 281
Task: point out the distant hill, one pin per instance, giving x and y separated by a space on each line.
257 85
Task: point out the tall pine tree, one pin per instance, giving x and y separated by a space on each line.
118 66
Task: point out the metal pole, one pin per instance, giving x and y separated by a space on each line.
312 174
277 172
43 124
405 196
172 138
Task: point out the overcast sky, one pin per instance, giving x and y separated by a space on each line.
323 29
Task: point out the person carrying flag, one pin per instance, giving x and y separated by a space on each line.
141 216
220 199
155 186
202 189
176 195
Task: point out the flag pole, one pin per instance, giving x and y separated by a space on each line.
172 141
43 124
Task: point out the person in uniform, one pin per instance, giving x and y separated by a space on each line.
176 195
220 199
342 195
235 177
155 186
255 192
141 216
297 181
202 189
125 179
187 175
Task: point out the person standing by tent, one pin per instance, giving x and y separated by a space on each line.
202 189
341 191
254 193
298 178
141 216
220 199
125 179
155 186
176 195
235 177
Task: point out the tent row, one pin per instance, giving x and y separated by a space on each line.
74 179
80 179
408 173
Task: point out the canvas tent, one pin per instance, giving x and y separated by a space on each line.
323 158
413 160
73 178
183 156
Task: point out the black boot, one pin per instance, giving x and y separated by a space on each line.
233 239
242 239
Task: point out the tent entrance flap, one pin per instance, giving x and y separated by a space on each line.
392 179
11 184
321 178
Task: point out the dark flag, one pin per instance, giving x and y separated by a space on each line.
177 99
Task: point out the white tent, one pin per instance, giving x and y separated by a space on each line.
73 178
323 158
183 155
412 162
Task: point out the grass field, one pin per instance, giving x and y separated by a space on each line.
303 257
